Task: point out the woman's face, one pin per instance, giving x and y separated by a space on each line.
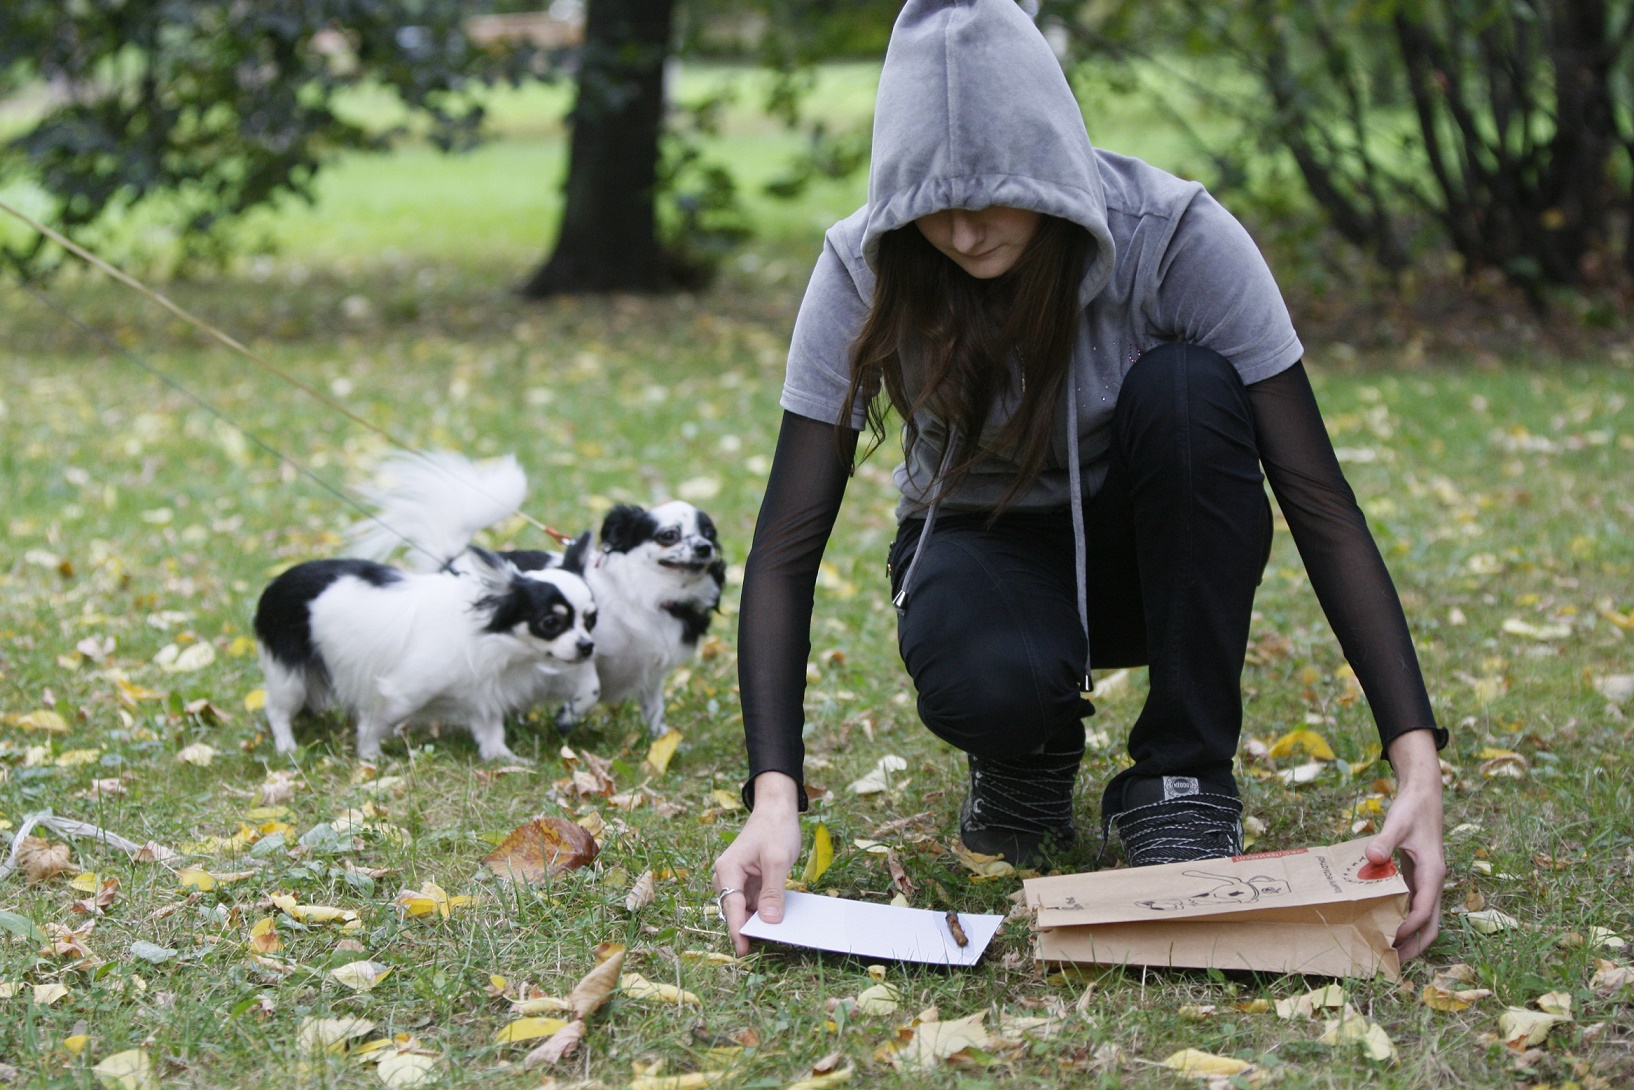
984 242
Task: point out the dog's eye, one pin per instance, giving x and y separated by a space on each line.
589 622
668 536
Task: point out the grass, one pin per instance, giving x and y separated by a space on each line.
1498 494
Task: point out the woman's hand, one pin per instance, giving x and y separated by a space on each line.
1413 825
757 863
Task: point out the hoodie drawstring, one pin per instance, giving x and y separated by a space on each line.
1080 547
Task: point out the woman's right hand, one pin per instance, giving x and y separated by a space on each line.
758 862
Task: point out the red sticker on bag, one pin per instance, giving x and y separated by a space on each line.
1373 872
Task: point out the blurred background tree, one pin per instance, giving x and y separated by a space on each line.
1500 129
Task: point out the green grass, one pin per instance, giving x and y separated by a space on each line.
128 514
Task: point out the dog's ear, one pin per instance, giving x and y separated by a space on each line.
573 560
492 570
625 527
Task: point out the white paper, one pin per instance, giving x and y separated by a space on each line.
875 931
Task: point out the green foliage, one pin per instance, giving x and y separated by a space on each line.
220 106
1497 130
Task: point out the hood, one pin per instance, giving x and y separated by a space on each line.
974 110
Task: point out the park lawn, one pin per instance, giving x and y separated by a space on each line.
133 515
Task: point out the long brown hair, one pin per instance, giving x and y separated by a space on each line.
939 340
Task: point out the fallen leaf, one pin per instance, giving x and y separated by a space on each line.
1351 1026
48 721
196 878
330 1034
1617 688
1308 742
197 754
1197 1063
1441 998
596 985
360 976
538 849
105 893
429 900
694 1080
128 1070
934 1041
1555 1003
406 1070
637 986
982 866
1522 1028
40 859
528 1029
879 779
821 857
662 750
641 893
560 1045
1329 996
46 995
1552 631
1490 921
817 1080
878 999
264 936
174 659
1610 978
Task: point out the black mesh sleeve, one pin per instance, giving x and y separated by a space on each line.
803 494
1345 567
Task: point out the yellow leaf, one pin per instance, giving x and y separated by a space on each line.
86 883
661 750
264 936
1490 921
1556 1003
76 1044
197 754
407 1070
241 646
128 1070
1441 998
1191 1061
543 1004
1518 1026
41 720
47 994
695 1080
269 813
822 855
255 700
322 914
194 878
526 1029
1307 741
983 866
637 986
76 757
430 900
1306 1006
878 999
361 976
726 800
934 1041
330 1034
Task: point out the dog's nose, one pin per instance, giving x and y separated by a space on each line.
586 648
703 550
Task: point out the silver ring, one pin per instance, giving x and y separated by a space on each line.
722 896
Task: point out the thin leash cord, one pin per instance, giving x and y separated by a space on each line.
231 342
114 346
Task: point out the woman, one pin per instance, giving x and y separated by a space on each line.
1093 363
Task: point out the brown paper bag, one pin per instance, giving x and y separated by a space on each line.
1325 911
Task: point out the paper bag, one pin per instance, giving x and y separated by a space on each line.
1325 911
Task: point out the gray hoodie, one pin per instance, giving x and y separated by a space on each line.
973 111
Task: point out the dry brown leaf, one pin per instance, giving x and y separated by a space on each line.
641 893
899 875
558 1046
40 859
592 991
934 1041
264 936
105 894
1520 1028
538 849
1610 978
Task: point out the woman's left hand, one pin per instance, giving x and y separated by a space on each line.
1412 825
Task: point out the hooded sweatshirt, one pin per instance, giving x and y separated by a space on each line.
974 111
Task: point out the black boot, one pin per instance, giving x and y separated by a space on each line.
1020 809
1175 819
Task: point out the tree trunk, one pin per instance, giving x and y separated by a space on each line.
609 236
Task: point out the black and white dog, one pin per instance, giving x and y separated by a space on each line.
392 647
656 575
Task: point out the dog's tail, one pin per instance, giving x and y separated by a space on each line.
438 502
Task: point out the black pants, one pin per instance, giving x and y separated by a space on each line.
1178 538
